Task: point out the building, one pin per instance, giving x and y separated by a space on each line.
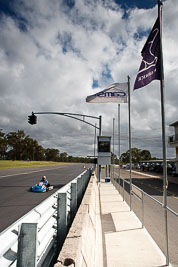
173 141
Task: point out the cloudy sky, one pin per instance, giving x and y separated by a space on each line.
53 54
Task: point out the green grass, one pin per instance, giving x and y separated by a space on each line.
8 164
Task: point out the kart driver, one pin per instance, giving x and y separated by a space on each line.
45 181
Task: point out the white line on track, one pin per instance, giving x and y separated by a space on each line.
27 172
144 174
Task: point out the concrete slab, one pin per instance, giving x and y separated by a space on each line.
121 241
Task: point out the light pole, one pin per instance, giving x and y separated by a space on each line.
113 150
32 119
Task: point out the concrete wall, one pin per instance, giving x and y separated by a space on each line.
79 247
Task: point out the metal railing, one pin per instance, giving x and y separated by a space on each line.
123 185
35 238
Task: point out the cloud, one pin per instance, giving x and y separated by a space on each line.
50 63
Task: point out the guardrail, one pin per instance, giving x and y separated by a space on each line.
38 236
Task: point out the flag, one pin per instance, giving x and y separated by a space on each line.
116 92
150 68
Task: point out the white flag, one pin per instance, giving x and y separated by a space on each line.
116 92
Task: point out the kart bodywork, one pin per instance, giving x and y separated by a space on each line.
41 188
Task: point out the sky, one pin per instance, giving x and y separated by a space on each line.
53 54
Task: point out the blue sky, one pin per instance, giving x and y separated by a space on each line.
7 6
137 3
55 53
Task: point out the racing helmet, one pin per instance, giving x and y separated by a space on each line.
43 178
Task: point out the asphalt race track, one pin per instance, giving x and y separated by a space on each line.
16 199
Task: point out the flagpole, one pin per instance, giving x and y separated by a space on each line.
113 150
94 143
165 181
130 150
119 142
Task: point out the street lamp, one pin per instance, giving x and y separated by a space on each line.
32 119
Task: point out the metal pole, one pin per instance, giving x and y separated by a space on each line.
123 188
130 149
119 144
99 166
113 149
61 219
100 125
142 209
94 144
73 201
27 245
165 181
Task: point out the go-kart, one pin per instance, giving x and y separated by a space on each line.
41 187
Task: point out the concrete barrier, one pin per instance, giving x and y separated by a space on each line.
79 246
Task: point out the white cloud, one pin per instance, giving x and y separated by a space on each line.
51 65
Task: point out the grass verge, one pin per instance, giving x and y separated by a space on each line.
8 164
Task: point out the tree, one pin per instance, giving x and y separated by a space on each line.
114 159
29 151
145 155
3 145
124 157
137 155
40 153
63 156
19 146
33 151
52 154
16 144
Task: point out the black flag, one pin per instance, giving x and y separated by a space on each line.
150 65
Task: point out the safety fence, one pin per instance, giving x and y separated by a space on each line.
37 237
141 207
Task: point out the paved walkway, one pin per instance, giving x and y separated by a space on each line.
121 241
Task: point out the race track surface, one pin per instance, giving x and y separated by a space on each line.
16 199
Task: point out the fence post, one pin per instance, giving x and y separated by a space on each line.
84 178
87 177
61 219
142 209
73 204
79 190
130 196
27 245
123 188
82 182
117 184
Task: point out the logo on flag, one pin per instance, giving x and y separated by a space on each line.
116 92
150 65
